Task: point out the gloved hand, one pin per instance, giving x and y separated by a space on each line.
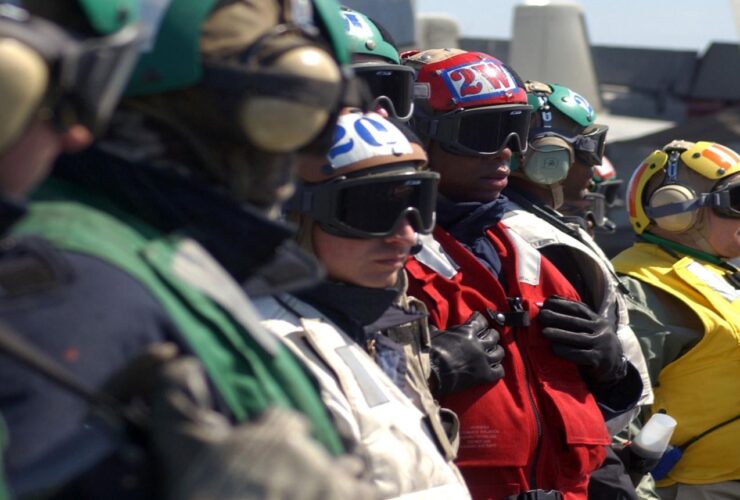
579 335
466 355
203 455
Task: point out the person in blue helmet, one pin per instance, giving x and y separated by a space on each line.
151 238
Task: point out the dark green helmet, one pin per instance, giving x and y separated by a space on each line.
172 59
367 38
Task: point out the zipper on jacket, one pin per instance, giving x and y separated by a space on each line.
515 304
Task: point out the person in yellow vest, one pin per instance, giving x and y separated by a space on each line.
684 205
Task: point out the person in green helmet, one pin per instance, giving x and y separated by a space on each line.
150 239
565 144
376 62
58 85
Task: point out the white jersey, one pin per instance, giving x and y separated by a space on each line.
387 427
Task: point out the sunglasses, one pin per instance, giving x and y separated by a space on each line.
480 131
371 206
392 87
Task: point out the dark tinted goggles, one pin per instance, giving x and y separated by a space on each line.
482 131
91 74
392 87
725 200
371 206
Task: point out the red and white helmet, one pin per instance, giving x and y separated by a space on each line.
469 102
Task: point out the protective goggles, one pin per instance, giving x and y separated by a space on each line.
392 87
725 199
90 74
480 131
371 206
588 148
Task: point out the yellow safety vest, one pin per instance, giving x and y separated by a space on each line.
701 388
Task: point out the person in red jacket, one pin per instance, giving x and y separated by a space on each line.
537 432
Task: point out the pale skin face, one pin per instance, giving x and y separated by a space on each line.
723 235
30 158
470 178
372 263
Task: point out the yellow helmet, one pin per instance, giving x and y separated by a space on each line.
673 183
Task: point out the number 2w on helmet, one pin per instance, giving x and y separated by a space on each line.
469 102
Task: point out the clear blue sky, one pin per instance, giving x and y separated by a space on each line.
670 24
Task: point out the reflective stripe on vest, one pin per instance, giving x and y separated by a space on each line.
404 459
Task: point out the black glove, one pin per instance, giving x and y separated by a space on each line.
579 335
466 355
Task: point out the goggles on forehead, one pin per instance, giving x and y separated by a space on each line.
391 86
482 131
588 148
370 206
91 74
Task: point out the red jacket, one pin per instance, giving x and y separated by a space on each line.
538 427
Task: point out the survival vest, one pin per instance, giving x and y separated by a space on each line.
700 389
248 366
539 426
596 270
403 457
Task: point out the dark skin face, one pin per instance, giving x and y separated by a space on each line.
470 178
577 183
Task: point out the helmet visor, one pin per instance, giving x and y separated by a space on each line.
392 87
484 131
374 206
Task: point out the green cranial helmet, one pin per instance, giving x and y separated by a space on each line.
367 38
571 110
171 57
562 131
111 15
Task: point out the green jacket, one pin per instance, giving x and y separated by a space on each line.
249 368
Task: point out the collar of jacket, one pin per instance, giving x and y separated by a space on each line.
355 308
466 221
243 240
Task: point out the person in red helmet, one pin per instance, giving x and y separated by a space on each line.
538 431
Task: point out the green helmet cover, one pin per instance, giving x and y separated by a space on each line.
174 59
569 103
326 16
109 16
365 38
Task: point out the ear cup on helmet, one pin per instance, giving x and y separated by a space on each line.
278 124
24 78
667 195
